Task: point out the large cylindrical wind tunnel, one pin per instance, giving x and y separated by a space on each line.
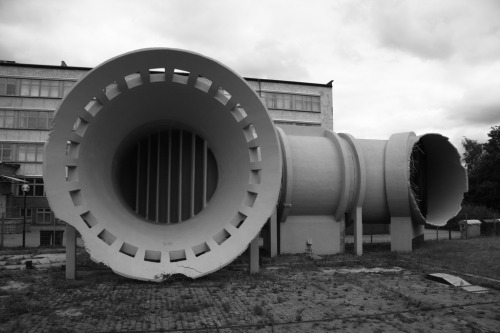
165 161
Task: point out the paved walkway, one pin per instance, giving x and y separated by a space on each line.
287 297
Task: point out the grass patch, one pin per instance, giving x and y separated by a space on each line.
16 305
257 310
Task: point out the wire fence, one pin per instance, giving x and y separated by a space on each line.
21 232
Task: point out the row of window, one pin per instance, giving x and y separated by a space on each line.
21 152
291 101
57 88
26 119
34 87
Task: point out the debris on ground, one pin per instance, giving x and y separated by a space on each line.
39 261
456 282
376 270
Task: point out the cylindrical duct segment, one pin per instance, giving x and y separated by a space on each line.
320 175
165 161
316 173
330 174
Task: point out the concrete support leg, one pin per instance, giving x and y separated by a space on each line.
342 224
266 234
418 235
70 252
358 230
273 234
254 255
401 234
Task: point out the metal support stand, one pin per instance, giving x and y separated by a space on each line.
70 253
401 234
358 230
2 228
254 255
273 234
24 220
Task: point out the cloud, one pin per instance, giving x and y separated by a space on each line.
467 30
404 65
269 59
478 106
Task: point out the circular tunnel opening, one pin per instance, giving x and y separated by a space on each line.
166 175
437 179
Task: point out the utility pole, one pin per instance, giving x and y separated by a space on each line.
25 188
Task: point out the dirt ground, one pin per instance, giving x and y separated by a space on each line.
290 294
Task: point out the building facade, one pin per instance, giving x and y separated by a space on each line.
30 94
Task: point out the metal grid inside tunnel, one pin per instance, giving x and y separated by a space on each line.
168 176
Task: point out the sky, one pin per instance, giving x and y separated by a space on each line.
425 66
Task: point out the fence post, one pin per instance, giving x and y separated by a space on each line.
495 224
2 226
254 255
70 252
54 232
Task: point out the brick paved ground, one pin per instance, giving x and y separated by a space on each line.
293 294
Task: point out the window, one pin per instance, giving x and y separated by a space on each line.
39 153
5 152
291 101
28 119
51 237
36 188
67 86
45 120
6 119
35 88
8 86
43 215
28 213
25 87
21 152
54 89
29 152
49 88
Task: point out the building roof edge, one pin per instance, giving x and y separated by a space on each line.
15 64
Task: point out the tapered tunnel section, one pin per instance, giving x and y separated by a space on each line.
165 161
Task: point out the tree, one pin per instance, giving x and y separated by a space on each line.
483 170
472 154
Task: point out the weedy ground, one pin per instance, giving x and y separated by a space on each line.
291 293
